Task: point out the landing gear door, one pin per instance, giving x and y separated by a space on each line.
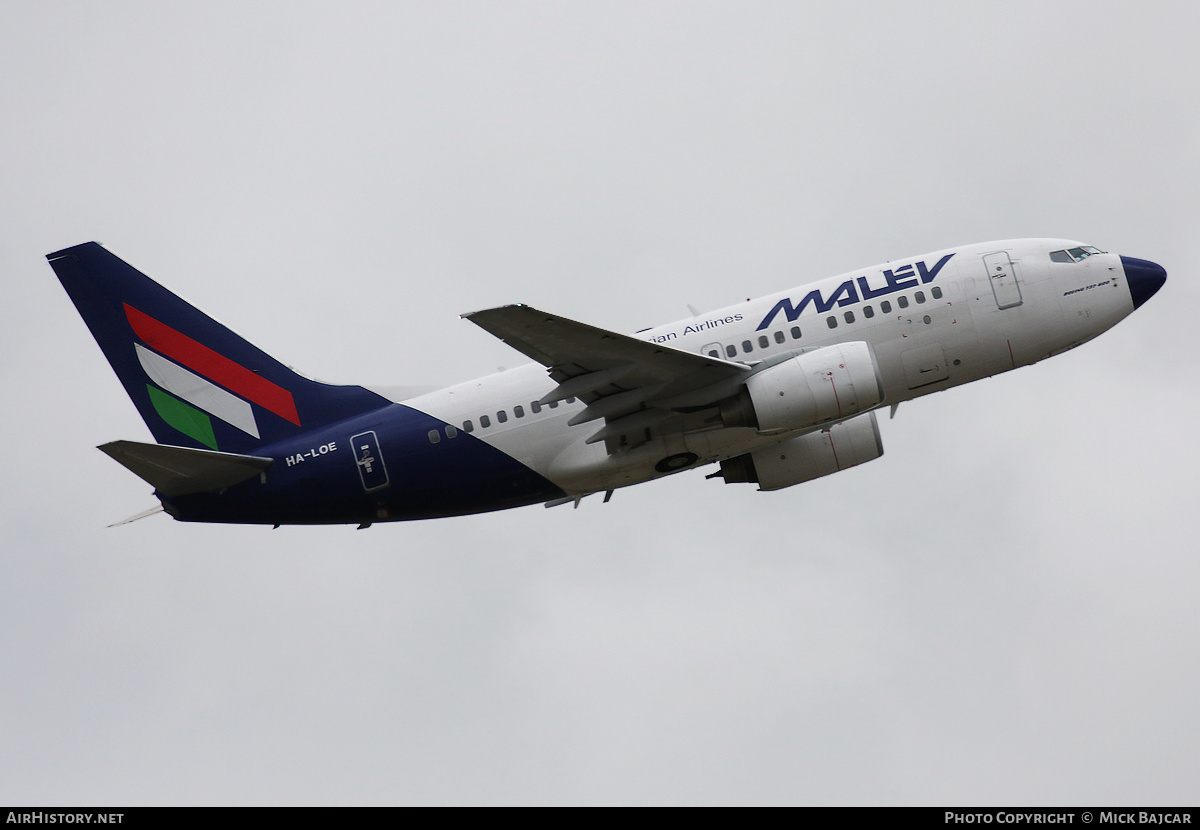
1003 277
370 461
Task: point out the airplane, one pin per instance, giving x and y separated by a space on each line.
775 391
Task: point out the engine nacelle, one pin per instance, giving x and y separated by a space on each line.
828 384
805 457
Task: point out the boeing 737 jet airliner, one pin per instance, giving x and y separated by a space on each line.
776 391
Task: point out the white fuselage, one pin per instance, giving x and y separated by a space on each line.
988 308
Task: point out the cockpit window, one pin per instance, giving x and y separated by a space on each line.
1074 254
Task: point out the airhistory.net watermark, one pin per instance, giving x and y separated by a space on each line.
42 817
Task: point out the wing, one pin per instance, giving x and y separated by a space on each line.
634 385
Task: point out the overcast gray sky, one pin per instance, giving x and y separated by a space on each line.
1002 609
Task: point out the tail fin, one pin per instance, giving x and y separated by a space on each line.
195 383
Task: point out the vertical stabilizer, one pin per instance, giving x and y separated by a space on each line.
195 382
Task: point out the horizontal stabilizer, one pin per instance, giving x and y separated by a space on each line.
180 471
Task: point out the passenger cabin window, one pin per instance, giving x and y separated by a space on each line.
763 342
779 338
885 307
919 296
849 315
468 426
746 347
451 432
937 292
553 404
713 353
902 301
535 407
502 416
731 351
434 436
868 312
795 332
831 322
485 421
519 411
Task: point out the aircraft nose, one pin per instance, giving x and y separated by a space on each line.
1144 277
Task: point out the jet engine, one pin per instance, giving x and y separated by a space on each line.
796 460
827 384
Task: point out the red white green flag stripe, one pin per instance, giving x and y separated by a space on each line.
207 383
216 367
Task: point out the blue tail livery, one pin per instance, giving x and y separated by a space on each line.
194 382
776 391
